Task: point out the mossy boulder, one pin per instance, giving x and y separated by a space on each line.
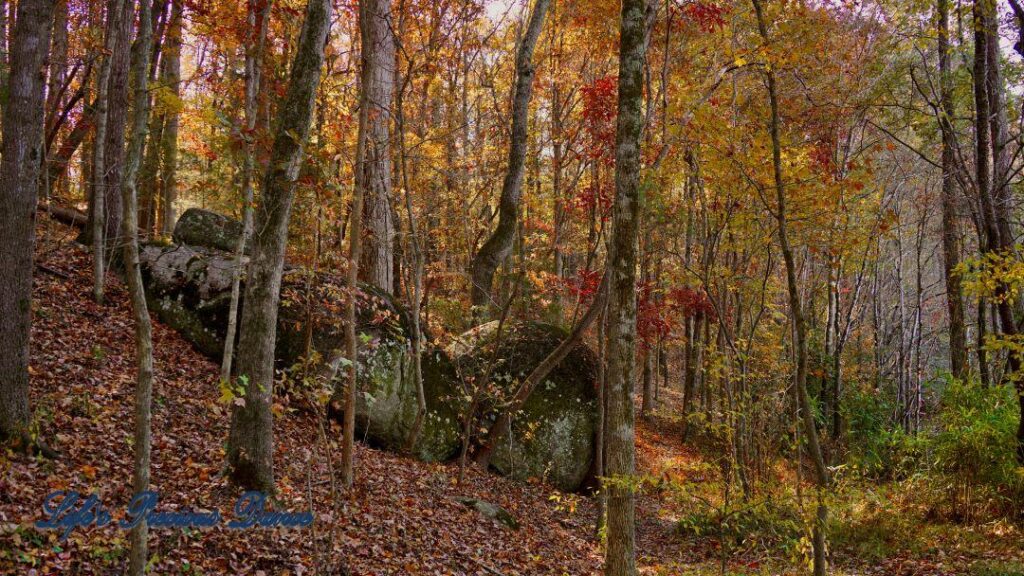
206 229
189 288
553 434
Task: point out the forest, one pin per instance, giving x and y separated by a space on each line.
512 287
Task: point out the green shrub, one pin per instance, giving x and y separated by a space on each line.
975 447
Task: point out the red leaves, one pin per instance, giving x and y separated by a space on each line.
659 312
708 16
591 198
600 110
584 285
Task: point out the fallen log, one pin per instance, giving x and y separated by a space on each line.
69 216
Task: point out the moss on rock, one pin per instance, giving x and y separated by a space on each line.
198 227
553 434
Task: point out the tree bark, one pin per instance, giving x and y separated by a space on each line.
98 209
117 111
251 438
995 222
377 262
257 19
649 376
796 310
950 229
58 62
499 244
171 73
19 180
622 306
143 329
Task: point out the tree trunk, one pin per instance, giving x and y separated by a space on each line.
143 329
98 206
417 271
58 62
117 110
251 439
950 229
998 239
171 65
499 245
377 262
19 180
647 399
599 434
796 310
620 461
256 19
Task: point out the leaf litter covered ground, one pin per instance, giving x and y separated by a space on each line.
402 517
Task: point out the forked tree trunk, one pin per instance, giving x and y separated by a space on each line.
251 438
620 462
796 311
19 180
499 245
143 329
377 263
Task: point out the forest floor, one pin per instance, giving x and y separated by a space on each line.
402 516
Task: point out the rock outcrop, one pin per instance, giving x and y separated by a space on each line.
188 284
553 434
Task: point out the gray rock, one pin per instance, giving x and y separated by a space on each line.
206 229
492 511
553 434
189 288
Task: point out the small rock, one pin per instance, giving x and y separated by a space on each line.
491 511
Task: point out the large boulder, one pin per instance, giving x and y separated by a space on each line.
553 434
189 288
206 229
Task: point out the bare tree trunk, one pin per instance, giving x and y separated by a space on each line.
620 457
950 230
257 22
599 434
983 369
377 262
117 112
251 439
998 238
115 12
143 329
499 244
19 181
171 65
4 52
647 398
368 22
796 310
58 62
418 265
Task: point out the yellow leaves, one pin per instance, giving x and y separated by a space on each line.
997 276
88 471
